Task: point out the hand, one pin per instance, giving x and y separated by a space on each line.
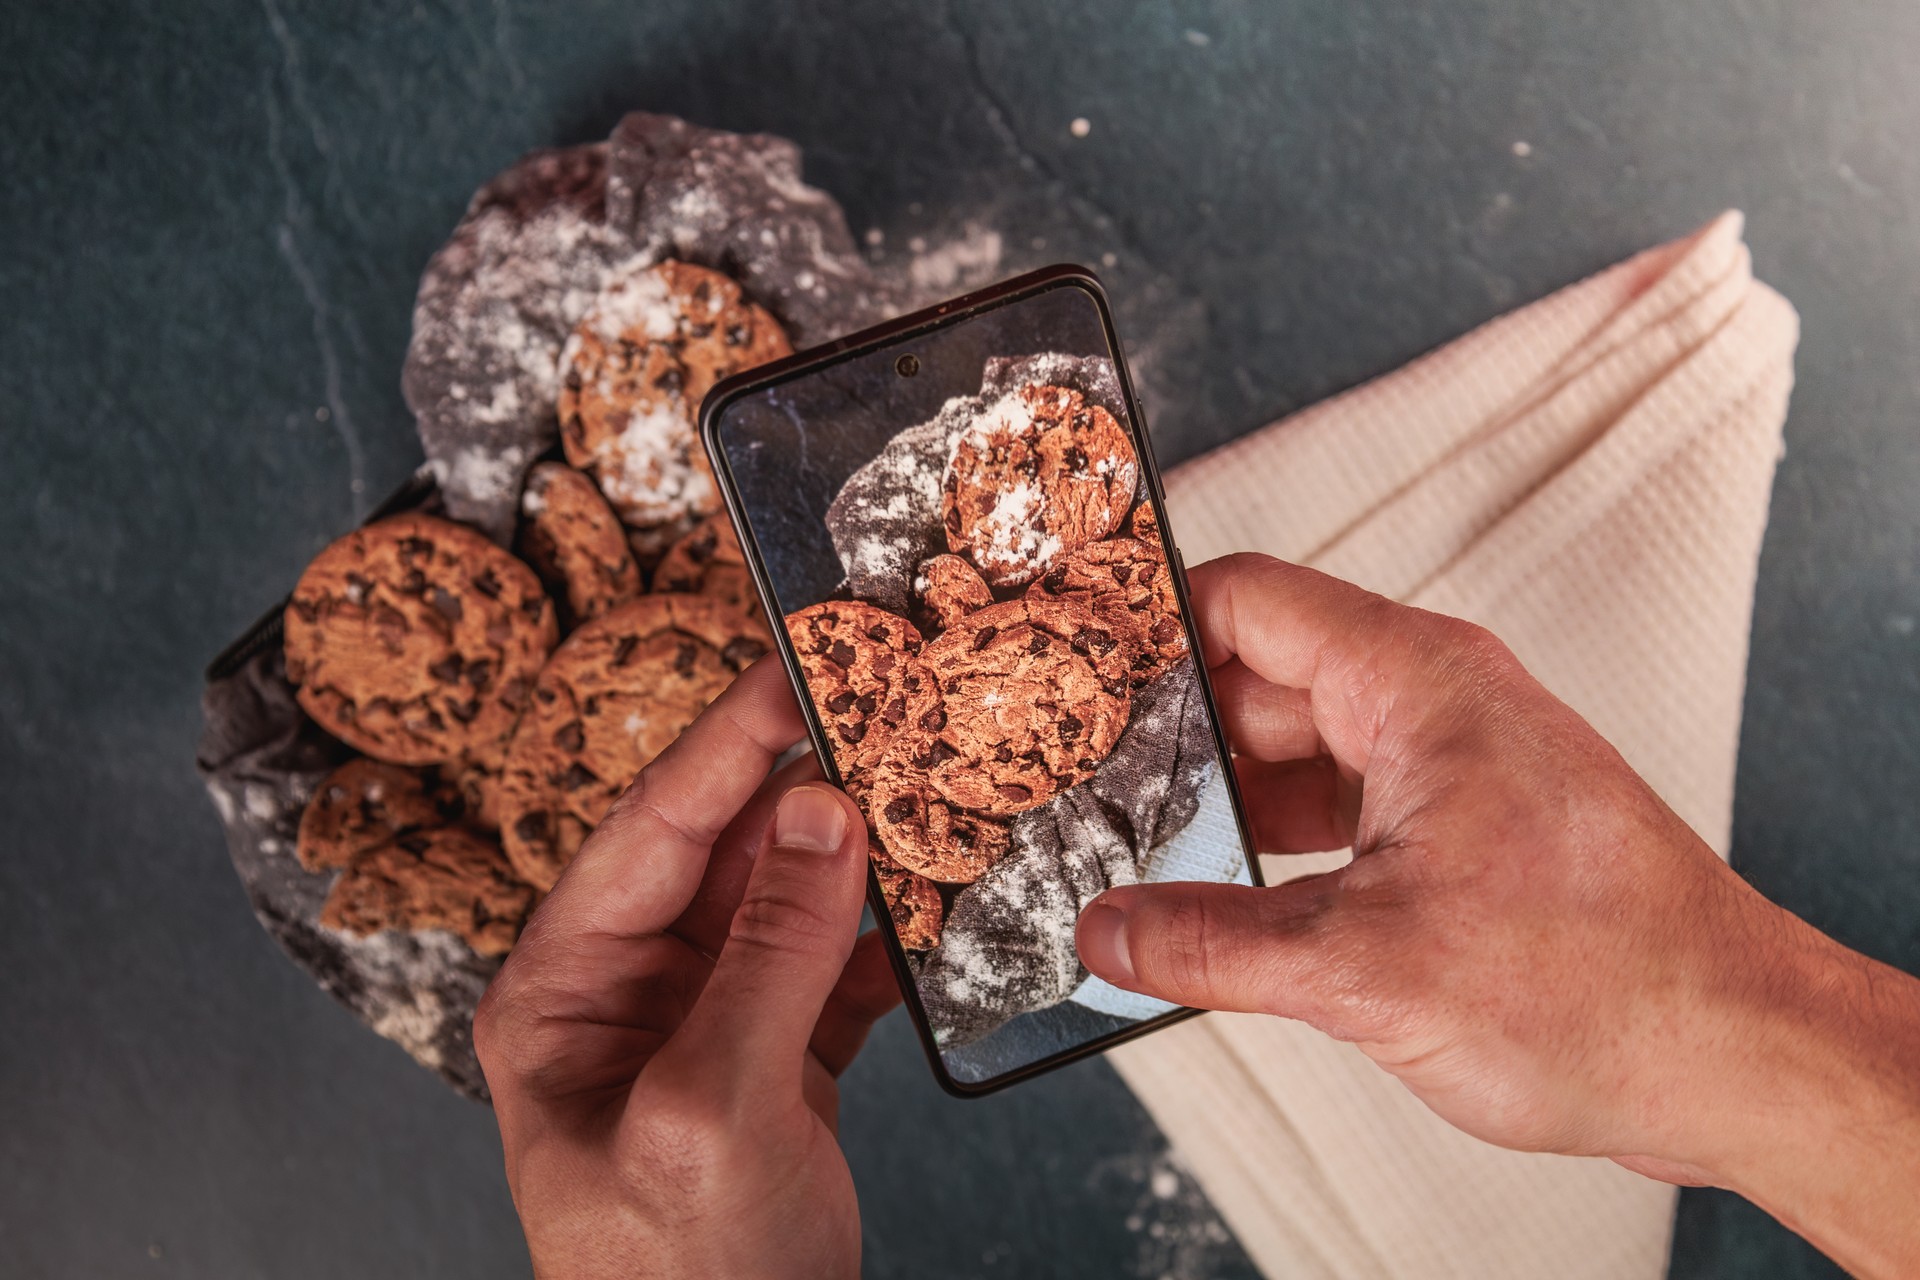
662 1045
1526 936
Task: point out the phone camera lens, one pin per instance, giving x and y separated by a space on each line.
908 365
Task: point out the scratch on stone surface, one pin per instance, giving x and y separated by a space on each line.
1857 184
1000 120
286 239
316 129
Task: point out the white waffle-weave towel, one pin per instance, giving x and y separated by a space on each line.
1587 476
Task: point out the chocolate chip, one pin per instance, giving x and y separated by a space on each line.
865 704
479 674
736 335
623 649
591 707
535 607
414 844
486 584
896 711
1086 764
1003 754
1039 643
851 733
1014 794
1070 728
573 379
685 654
464 712
531 827
841 653
953 522
841 703
415 583
898 809
571 736
446 604
742 652
878 631
701 549
412 547
672 382
1121 572
883 662
984 637
1076 458
986 502
1165 630
576 777
1056 581
953 482
447 670
935 720
942 751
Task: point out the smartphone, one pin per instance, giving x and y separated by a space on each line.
955 521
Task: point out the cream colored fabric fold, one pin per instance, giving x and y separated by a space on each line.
1588 476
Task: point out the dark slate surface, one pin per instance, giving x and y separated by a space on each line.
212 221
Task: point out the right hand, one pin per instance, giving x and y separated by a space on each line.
1527 937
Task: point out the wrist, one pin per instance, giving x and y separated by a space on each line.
1801 1086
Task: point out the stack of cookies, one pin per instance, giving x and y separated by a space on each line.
1014 679
501 702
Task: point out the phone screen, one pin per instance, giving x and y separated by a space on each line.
958 527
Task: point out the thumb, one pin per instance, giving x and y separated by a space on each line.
787 946
1217 946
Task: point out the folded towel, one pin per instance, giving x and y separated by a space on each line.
1588 477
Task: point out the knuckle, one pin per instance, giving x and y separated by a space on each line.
675 1139
1177 958
774 920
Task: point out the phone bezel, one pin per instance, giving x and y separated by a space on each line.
918 324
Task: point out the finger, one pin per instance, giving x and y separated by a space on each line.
786 949
704 923
1262 719
1298 806
867 991
639 869
1216 946
1300 629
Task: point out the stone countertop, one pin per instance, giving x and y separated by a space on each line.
212 225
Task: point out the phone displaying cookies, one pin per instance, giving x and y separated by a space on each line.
958 519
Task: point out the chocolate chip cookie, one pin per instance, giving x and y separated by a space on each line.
1039 473
574 542
416 640
709 562
863 669
440 878
921 829
949 589
1129 587
1033 695
613 696
632 377
1145 526
913 901
362 804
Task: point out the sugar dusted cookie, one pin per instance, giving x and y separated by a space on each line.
632 377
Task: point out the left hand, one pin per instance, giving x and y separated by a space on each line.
663 1043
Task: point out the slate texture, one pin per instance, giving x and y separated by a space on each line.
210 233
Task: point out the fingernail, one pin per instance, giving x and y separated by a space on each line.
1102 937
810 818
